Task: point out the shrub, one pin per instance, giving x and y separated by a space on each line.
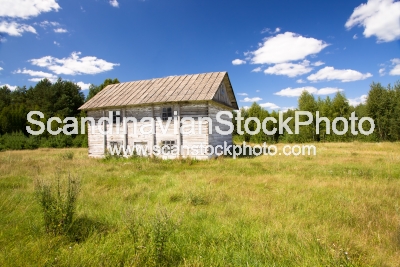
17 141
80 140
58 204
59 141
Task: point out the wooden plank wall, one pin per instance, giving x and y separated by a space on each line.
216 138
95 138
98 142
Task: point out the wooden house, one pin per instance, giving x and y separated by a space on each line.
168 100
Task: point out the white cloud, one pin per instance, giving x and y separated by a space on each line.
258 69
56 43
254 99
26 8
358 100
37 75
318 63
269 105
60 30
257 91
290 69
1 68
396 69
295 92
238 62
300 81
56 26
355 36
45 24
242 94
74 65
114 3
12 88
15 29
53 80
265 30
382 72
378 17
330 73
328 91
84 86
268 30
286 47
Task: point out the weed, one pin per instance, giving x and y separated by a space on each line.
198 199
68 155
162 229
58 204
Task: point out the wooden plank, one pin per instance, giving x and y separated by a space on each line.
213 87
174 84
110 92
134 91
118 95
190 88
143 94
122 99
181 84
161 91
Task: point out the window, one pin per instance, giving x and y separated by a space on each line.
166 113
168 146
116 114
168 143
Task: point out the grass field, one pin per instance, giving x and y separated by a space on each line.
339 208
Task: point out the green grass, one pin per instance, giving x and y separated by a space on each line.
339 208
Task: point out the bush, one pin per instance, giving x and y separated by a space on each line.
59 141
58 204
18 141
81 140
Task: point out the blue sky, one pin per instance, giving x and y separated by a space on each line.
272 49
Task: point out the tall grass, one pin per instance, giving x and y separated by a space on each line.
339 208
58 203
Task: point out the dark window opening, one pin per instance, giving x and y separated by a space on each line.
166 113
116 114
168 145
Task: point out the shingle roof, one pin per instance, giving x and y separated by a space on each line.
196 87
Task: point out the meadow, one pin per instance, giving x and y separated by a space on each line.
338 208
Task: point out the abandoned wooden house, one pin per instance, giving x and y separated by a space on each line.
167 100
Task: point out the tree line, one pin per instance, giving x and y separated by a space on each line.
382 106
59 99
63 98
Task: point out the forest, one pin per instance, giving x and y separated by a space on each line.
60 99
63 98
